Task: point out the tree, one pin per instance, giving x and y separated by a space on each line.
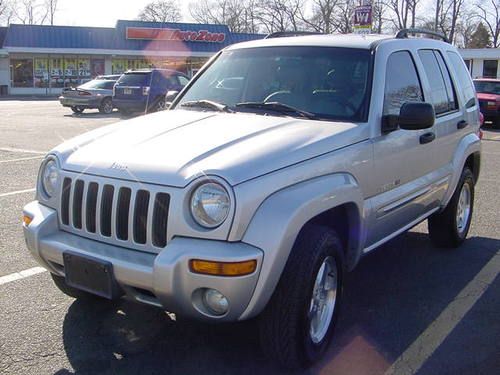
29 12
480 38
161 11
447 16
51 7
280 15
489 13
238 15
323 15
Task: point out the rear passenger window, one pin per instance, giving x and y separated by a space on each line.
466 86
450 90
401 83
439 93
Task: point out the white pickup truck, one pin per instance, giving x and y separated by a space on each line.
274 171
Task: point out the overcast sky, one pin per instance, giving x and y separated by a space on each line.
103 12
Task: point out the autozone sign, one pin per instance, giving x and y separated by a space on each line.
151 33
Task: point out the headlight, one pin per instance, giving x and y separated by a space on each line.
50 177
210 205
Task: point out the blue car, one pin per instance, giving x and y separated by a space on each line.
144 90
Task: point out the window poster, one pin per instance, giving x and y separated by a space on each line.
84 67
56 67
70 67
118 66
41 72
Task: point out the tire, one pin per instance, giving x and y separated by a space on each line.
448 229
285 328
160 105
72 292
106 106
77 109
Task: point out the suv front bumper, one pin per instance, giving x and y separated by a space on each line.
162 279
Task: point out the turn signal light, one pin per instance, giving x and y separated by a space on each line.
27 220
207 267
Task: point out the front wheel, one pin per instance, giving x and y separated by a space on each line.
77 109
106 106
298 322
449 228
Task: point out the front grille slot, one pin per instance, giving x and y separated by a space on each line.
65 195
91 207
106 207
77 204
122 213
160 219
109 210
141 216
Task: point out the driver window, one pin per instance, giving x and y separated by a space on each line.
401 83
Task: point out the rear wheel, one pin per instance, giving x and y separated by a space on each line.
77 109
298 322
449 228
60 282
106 106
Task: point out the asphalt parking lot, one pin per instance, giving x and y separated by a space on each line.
408 308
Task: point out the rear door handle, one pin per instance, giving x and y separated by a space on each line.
462 124
427 138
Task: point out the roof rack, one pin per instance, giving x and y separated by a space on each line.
282 34
403 34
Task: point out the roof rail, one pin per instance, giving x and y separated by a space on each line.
403 34
282 34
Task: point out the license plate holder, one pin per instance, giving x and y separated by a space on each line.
127 91
90 274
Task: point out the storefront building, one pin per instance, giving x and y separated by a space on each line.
37 59
482 62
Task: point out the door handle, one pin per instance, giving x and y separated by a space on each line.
427 138
462 124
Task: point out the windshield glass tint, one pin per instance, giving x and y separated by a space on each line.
488 87
331 83
134 79
98 84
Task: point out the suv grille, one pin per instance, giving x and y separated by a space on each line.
112 211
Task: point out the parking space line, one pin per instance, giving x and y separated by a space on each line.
412 359
17 192
21 159
22 150
21 275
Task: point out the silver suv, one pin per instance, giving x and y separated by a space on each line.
275 170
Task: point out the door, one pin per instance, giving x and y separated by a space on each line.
403 159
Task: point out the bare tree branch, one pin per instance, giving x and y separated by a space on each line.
161 11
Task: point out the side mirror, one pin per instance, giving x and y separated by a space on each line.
171 95
412 116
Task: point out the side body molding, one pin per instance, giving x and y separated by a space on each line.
279 219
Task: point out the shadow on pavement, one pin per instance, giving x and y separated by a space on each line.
94 115
390 299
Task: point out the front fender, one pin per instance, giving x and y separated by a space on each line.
279 219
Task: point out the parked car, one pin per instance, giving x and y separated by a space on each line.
271 175
145 90
488 93
93 94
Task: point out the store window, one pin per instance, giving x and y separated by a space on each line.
41 72
468 64
22 72
490 68
84 70
56 72
96 67
71 78
118 66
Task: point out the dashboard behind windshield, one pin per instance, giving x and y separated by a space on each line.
329 82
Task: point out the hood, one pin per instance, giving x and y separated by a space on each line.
175 147
489 97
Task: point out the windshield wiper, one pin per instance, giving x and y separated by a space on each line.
207 104
277 107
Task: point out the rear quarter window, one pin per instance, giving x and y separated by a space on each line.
466 87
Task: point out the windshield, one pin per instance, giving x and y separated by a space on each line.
98 84
134 79
330 83
487 87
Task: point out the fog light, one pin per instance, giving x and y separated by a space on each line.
215 301
27 220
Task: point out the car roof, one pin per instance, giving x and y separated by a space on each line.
360 41
149 70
